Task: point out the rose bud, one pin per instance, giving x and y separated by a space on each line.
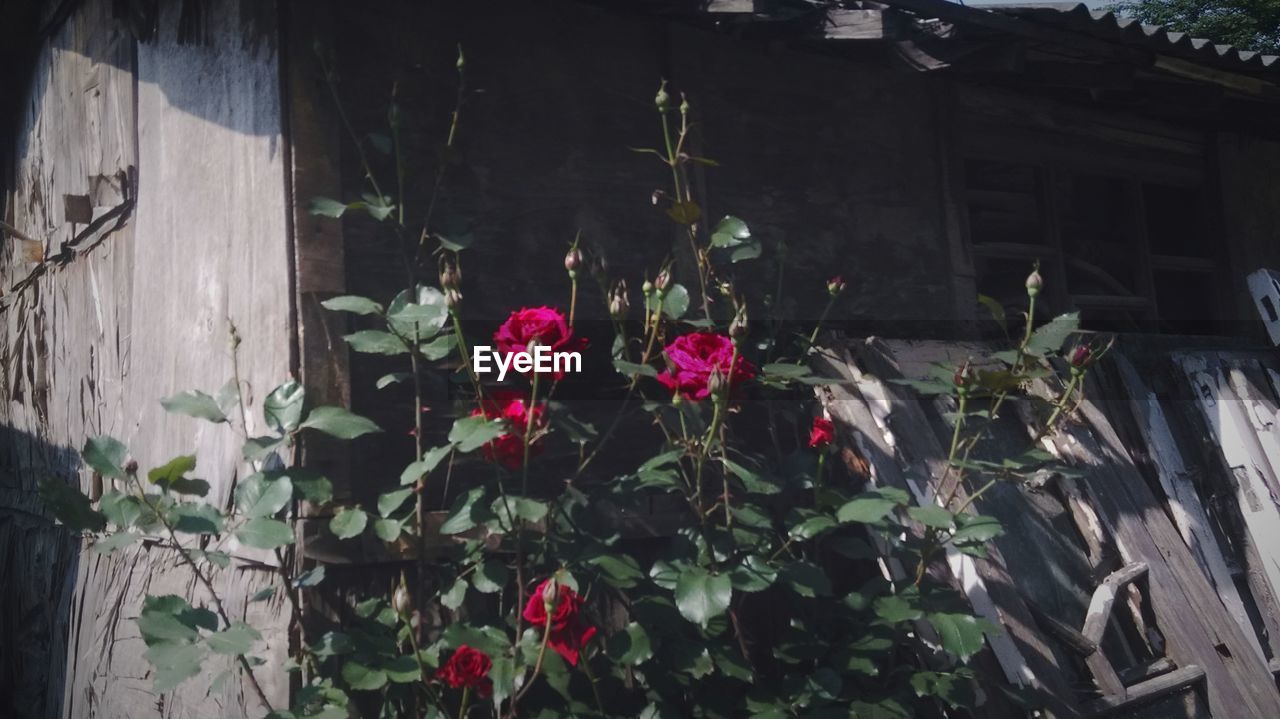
400 601
836 285
1081 357
131 467
738 327
716 385
684 104
1034 283
453 299
662 281
618 302
572 261
647 288
662 100
450 276
963 377
549 595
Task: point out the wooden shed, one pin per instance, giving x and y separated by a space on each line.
159 160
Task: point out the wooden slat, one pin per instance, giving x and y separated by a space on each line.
1238 683
1148 691
1104 598
1184 503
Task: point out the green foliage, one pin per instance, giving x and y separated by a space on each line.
1243 24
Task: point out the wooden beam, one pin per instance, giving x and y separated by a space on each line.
1184 503
862 25
1147 691
1104 598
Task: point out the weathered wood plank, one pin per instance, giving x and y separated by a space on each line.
1149 690
1184 502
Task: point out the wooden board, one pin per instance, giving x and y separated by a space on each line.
92 342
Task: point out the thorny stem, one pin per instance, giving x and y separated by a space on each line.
813 336
524 491
448 145
462 704
595 690
537 665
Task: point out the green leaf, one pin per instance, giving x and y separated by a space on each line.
338 422
754 574
894 609
805 578
620 570
961 634
400 670
310 578
471 433
196 519
172 471
194 404
454 596
812 527
629 369
170 617
327 207
283 407
234 640
873 506
996 309
748 250
378 342
730 232
258 496
264 533
388 530
785 370
751 480
106 456
661 460
490 577
631 646
389 502
174 663
70 506
332 644
462 515
120 509
421 314
114 542
421 468
675 303
258 448
976 528
354 304
263 594
361 677
438 348
348 522
507 509
701 596
931 516
309 485
1050 336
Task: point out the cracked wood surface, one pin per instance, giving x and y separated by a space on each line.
93 342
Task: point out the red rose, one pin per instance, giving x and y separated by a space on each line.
692 358
543 324
468 668
1081 356
822 434
569 633
508 448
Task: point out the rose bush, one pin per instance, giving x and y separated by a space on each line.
542 586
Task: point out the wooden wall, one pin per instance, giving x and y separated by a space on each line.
183 144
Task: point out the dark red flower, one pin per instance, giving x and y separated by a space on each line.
822 434
692 358
569 632
468 668
508 448
1081 356
545 325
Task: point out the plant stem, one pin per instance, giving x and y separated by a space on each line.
524 490
208 585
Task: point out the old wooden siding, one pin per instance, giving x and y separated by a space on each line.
1250 222
183 143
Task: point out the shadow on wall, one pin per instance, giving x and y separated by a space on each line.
38 565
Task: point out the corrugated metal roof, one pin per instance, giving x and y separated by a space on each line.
1107 25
